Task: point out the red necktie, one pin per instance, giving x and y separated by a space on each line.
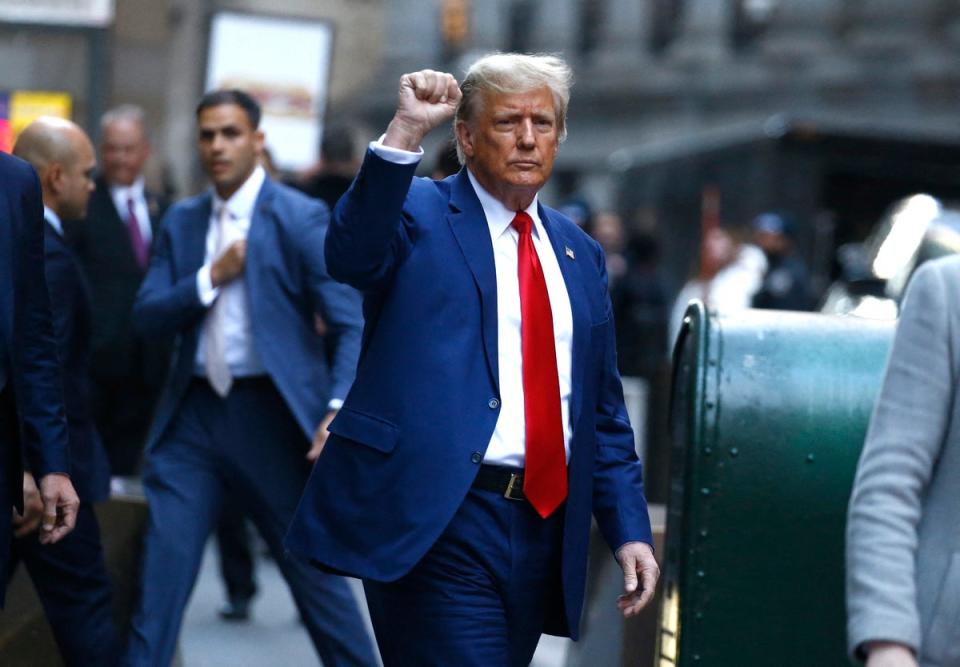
140 249
545 474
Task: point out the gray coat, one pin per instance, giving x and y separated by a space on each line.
903 552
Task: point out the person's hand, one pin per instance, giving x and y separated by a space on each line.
427 99
889 654
320 436
230 264
60 505
636 558
29 521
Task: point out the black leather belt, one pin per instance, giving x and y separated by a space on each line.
508 482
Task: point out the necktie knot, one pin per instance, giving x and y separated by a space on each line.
522 222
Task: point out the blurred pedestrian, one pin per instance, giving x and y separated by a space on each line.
33 428
445 161
488 365
903 571
70 576
339 161
237 274
639 300
113 245
730 275
786 282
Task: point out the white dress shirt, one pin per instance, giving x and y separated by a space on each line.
121 194
507 445
241 354
52 219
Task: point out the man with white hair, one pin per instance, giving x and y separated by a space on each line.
487 420
113 245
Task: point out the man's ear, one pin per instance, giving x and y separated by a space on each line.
465 137
51 178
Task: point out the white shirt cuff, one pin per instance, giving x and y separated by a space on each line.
334 404
205 289
395 155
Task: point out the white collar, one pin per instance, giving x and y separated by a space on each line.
53 219
134 190
499 217
241 203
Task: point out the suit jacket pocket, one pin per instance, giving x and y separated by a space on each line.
365 429
940 643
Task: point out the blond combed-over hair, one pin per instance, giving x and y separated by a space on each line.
507 73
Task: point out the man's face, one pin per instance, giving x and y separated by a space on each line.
123 152
75 181
511 142
229 146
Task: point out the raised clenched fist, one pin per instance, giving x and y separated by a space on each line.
427 99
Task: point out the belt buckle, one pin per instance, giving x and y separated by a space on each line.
514 487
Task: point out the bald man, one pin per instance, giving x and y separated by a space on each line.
70 577
33 430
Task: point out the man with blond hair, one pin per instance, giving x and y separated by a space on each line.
487 420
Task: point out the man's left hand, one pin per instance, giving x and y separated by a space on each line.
32 515
320 437
60 507
640 574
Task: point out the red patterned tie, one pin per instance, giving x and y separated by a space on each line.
545 474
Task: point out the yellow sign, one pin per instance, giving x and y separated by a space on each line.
28 105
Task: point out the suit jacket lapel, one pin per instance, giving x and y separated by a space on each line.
255 241
153 211
579 307
195 245
469 226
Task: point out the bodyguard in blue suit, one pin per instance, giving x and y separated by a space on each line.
70 576
238 276
487 420
33 429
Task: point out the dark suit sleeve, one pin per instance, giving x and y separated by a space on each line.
166 304
338 304
63 287
369 235
37 381
61 291
619 504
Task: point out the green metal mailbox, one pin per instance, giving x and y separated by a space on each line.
769 414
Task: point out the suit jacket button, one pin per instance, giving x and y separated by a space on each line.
476 457
493 403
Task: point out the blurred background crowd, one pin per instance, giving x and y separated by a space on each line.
789 154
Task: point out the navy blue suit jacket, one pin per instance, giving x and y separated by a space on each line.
33 429
70 305
407 443
286 281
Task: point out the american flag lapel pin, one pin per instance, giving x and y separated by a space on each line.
569 252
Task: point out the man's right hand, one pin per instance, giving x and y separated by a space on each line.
60 506
230 264
889 654
427 99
